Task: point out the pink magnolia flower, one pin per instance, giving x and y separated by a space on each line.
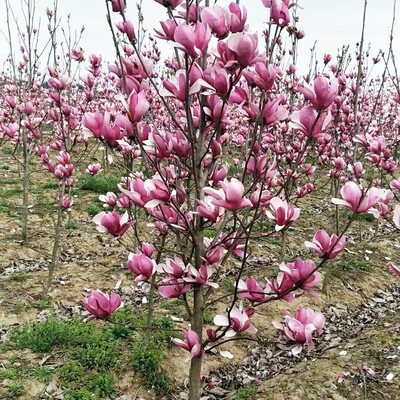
395 184
178 89
136 191
218 19
301 270
60 83
230 196
218 79
251 290
358 201
323 94
244 47
282 286
118 5
281 213
394 268
93 124
309 123
323 244
141 265
174 267
300 327
201 276
263 76
274 111
168 29
172 288
208 210
238 17
127 28
77 54
239 321
11 101
137 105
192 41
147 249
279 11
396 216
113 223
191 343
66 202
101 305
109 199
356 169
169 3
93 169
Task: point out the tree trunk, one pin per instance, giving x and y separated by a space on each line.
197 326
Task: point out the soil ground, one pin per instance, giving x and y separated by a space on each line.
356 358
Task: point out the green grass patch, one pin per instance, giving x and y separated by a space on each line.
99 183
11 192
247 392
49 185
42 304
5 168
366 217
9 373
147 358
15 389
358 266
71 225
78 383
93 210
41 374
9 181
7 151
19 277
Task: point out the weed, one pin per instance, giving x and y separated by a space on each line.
19 277
275 272
164 335
71 225
366 217
7 151
5 168
228 285
176 306
42 304
360 266
274 241
5 206
92 210
208 317
15 389
209 234
12 192
146 361
80 394
101 352
126 317
46 335
99 183
247 392
104 386
41 374
9 181
49 185
9 373
71 374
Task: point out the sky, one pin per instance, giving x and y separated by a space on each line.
330 24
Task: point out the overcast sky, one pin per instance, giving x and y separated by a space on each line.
330 23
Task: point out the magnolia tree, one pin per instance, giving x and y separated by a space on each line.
222 141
